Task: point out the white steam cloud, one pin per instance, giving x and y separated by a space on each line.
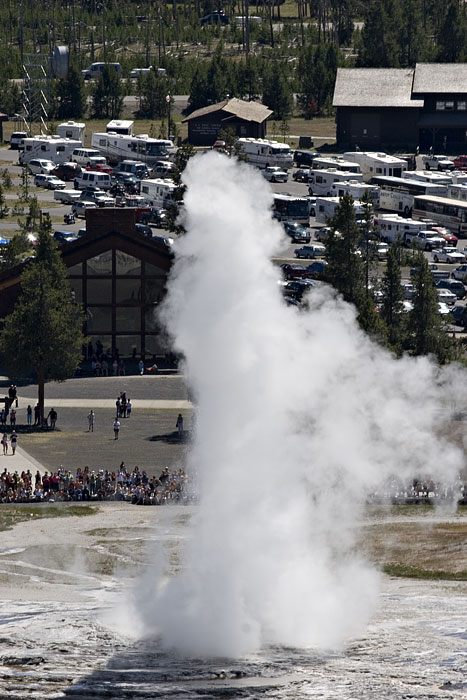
299 415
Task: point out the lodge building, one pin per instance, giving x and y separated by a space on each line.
118 275
401 108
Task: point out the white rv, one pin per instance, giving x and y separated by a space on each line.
356 190
320 182
325 208
120 126
372 164
391 227
116 147
458 192
158 192
336 163
53 148
72 130
263 152
428 176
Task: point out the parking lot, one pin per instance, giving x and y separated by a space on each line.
57 211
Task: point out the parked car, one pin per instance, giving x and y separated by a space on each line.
461 162
273 173
459 315
297 232
316 250
95 70
101 168
79 208
446 296
16 139
454 286
322 234
144 230
216 17
460 273
297 288
135 72
427 240
304 157
49 182
448 255
156 216
38 166
67 171
381 251
219 144
317 269
166 241
301 175
443 309
65 236
292 271
437 162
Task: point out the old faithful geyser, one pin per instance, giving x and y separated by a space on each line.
298 415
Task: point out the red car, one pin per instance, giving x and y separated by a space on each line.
292 271
98 167
460 162
449 237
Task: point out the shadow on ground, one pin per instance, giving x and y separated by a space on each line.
172 438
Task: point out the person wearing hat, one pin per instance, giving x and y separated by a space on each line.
13 441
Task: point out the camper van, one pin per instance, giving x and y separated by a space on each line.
263 153
116 147
54 148
391 228
320 182
158 192
336 163
372 164
356 190
326 208
120 126
72 130
87 157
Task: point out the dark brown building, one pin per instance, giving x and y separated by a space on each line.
118 275
399 109
247 119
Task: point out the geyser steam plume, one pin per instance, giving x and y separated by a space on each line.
298 416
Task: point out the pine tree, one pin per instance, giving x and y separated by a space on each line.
345 266
71 95
452 35
44 331
380 34
154 89
391 307
277 94
107 99
426 329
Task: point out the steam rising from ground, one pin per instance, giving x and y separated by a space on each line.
299 415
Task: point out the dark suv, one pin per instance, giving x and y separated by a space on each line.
217 17
67 171
304 158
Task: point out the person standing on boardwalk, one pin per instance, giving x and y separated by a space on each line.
116 428
29 415
179 425
13 441
5 443
91 421
37 415
53 415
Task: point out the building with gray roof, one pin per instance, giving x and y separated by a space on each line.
402 108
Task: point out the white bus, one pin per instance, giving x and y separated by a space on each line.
397 193
372 164
428 176
337 163
356 190
391 228
326 208
320 181
287 207
158 192
117 147
263 152
444 211
53 148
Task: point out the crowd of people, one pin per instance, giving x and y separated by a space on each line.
132 486
420 491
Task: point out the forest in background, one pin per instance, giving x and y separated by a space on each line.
295 49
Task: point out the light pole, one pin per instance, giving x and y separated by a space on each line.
167 99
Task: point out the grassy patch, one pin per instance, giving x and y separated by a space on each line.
11 514
407 571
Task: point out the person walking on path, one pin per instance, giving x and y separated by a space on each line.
116 428
53 415
12 417
91 415
141 367
5 443
29 415
128 408
14 441
37 415
179 425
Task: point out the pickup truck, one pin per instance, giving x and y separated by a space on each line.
461 162
97 196
438 163
315 250
66 196
448 255
460 273
427 240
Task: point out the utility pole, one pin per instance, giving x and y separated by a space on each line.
167 99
